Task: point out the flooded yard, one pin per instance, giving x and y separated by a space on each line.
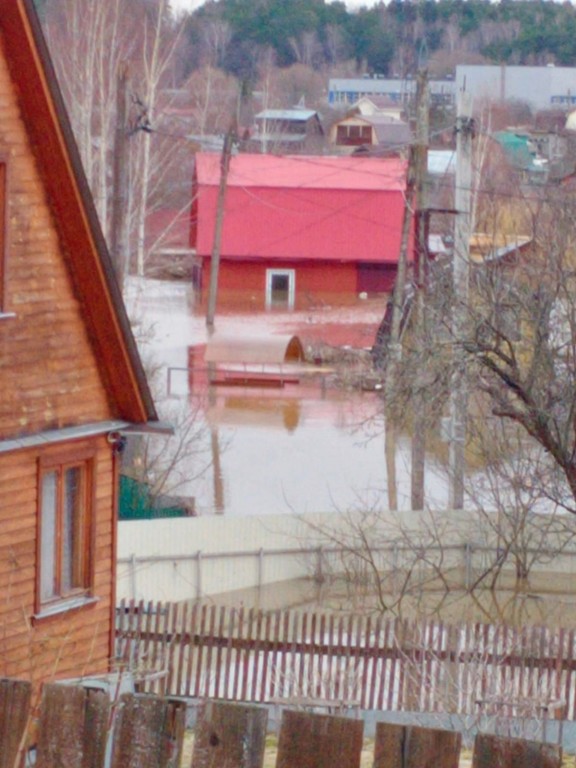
299 448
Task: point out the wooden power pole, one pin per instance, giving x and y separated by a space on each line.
419 402
229 140
460 277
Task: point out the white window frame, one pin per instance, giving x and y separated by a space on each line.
291 275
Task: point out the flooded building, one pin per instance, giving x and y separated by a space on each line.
299 231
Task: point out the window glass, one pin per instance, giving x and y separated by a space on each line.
72 540
48 536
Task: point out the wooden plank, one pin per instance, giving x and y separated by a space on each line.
318 741
276 685
191 631
184 651
157 649
256 656
265 686
211 640
498 752
378 669
171 631
229 736
139 733
218 692
304 657
15 698
238 654
228 663
294 688
248 656
96 726
174 731
283 656
401 746
365 663
73 727
200 651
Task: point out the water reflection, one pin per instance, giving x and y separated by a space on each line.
242 410
310 450
301 447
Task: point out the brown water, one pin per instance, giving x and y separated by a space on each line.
302 448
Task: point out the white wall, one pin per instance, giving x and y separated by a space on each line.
160 560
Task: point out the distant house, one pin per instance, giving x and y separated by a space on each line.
70 377
377 105
300 229
286 130
524 156
381 132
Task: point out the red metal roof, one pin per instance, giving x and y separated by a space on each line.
303 207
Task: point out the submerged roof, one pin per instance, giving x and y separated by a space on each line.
255 349
69 197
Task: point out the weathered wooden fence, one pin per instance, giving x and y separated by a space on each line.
361 662
83 728
80 727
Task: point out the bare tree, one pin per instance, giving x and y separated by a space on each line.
89 42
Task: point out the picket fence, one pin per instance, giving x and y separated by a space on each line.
361 662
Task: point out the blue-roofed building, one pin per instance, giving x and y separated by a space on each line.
287 130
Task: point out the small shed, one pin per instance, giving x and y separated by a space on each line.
254 350
256 360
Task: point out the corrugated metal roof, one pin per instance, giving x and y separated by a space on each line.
254 349
332 209
304 171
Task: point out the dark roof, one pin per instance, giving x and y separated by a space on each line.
397 134
69 196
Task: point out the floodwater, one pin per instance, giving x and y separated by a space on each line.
301 448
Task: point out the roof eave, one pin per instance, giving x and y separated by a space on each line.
76 218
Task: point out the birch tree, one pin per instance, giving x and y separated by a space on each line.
89 42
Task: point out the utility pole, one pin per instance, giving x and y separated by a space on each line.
460 281
119 230
394 345
421 268
229 140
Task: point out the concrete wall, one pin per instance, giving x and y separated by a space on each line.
227 558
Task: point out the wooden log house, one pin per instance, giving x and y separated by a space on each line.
70 380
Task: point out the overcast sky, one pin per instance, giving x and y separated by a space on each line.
191 4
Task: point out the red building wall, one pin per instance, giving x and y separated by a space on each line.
243 283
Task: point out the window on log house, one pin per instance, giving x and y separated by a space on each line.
65 536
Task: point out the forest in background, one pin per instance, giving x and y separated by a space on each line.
391 39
